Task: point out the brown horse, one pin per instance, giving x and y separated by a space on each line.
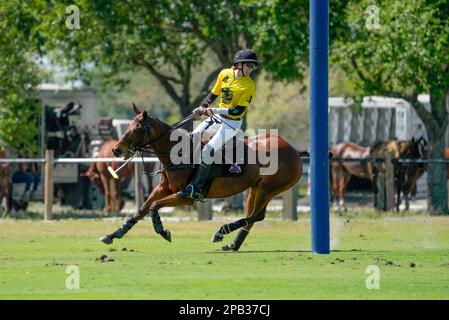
146 130
341 171
405 175
99 175
4 182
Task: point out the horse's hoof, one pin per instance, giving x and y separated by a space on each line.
106 240
166 235
217 237
228 247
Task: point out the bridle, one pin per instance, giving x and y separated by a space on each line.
135 146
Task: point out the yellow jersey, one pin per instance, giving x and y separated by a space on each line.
234 91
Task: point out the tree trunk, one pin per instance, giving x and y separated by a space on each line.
436 122
436 173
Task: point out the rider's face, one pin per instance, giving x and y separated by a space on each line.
248 67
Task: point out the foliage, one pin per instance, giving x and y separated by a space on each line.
19 75
405 56
171 40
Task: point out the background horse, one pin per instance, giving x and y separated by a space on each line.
99 175
405 175
148 131
341 171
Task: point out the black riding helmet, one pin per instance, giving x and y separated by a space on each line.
246 55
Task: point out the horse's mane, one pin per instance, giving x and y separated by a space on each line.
162 123
377 144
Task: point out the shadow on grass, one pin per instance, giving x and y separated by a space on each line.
369 252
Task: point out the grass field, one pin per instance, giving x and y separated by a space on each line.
412 253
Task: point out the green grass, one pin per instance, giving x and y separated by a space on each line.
412 253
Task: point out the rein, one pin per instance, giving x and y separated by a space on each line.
147 147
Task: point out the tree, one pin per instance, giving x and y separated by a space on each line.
164 37
404 55
170 39
19 76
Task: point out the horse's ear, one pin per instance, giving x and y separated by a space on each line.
145 115
136 110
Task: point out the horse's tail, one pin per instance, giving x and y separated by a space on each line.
303 153
307 154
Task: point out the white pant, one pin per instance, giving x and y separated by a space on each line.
220 133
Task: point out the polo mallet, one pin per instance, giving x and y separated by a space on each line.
114 172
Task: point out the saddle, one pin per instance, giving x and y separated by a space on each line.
227 167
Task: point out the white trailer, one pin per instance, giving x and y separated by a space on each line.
377 119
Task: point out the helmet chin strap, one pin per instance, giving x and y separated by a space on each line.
240 69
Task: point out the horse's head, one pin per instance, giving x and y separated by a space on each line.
423 146
418 148
136 136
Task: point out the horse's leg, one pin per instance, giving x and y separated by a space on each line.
116 195
258 214
5 193
244 231
341 192
107 197
158 193
173 200
407 191
400 174
241 236
227 228
376 192
398 195
335 173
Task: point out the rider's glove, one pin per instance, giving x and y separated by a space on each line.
198 111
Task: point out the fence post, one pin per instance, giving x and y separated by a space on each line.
48 185
138 187
380 187
385 186
204 210
290 203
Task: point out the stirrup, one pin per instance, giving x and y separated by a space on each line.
189 192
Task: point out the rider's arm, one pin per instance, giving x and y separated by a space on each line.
214 93
209 100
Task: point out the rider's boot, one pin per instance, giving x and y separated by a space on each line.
195 190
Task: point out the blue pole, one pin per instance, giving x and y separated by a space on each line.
319 159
